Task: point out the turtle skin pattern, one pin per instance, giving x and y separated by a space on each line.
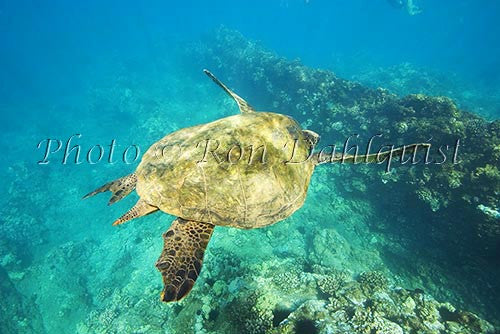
182 257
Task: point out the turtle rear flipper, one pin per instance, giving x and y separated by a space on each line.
182 256
242 104
140 209
120 188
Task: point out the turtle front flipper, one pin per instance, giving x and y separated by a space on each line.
182 256
119 188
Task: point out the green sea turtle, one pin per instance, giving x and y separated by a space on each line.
247 171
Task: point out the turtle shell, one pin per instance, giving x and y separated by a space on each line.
248 170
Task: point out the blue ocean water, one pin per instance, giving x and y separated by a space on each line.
122 75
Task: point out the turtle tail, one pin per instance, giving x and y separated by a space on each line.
119 188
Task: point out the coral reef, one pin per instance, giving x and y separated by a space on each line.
405 79
331 283
17 315
341 108
358 308
448 201
366 305
373 281
296 276
266 293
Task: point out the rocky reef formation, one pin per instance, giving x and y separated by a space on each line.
452 209
17 315
370 252
240 295
318 272
460 199
479 96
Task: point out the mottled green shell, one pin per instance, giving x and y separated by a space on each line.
237 187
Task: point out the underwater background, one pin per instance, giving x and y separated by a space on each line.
411 251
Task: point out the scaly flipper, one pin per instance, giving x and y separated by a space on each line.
370 158
120 188
141 208
182 256
242 104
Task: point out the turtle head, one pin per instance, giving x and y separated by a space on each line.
311 137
